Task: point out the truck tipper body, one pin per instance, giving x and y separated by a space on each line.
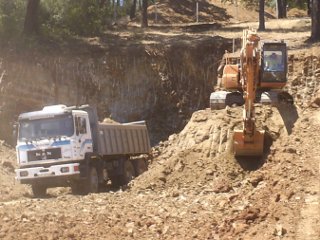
68 146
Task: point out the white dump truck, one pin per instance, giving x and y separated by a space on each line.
67 146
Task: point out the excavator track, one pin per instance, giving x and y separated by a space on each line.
221 99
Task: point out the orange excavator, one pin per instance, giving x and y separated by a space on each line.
257 74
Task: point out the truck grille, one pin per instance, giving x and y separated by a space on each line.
45 154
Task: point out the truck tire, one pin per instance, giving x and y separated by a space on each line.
140 166
128 173
39 190
89 185
77 188
92 181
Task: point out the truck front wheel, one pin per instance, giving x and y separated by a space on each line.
39 190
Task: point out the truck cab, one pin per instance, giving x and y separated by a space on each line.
51 142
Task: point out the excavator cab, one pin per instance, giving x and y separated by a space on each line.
273 65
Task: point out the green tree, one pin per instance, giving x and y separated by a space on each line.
12 16
80 17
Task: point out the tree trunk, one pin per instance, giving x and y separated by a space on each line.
315 21
115 9
144 20
103 3
140 5
261 16
31 24
133 9
282 8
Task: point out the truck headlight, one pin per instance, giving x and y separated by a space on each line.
64 169
24 173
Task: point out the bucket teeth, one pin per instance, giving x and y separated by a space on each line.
248 148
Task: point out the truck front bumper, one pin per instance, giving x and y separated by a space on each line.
64 171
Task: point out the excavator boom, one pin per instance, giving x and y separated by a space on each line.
248 141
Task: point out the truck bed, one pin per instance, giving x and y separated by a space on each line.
123 139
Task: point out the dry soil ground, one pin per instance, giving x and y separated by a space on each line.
195 188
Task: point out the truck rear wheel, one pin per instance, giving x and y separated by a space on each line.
89 185
92 182
128 172
77 188
39 190
140 166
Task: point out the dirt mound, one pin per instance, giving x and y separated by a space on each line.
9 188
201 153
295 12
184 11
110 121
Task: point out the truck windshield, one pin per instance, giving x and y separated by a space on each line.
37 129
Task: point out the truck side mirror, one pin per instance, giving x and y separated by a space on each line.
15 132
76 120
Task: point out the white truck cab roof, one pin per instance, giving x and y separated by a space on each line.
46 112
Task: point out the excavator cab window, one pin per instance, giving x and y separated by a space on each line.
274 62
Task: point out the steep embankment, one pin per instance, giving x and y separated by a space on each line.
161 79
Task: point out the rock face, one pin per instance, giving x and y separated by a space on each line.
162 82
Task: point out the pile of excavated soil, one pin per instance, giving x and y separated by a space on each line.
110 121
202 154
9 188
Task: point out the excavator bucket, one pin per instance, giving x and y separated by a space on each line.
252 148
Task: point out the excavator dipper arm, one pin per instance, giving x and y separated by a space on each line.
248 141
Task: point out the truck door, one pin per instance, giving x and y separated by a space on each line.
83 136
